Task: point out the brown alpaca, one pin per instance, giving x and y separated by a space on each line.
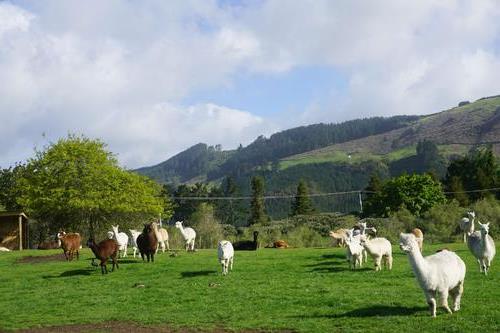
420 238
106 249
70 243
147 243
280 244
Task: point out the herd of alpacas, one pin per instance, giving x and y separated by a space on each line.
440 275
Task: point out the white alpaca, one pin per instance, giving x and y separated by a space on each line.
122 240
161 236
4 249
354 252
362 231
134 233
437 274
188 234
379 248
467 225
225 254
482 247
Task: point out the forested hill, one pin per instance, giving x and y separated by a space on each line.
192 164
202 162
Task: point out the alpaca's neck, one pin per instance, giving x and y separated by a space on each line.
94 249
183 232
471 227
418 263
485 245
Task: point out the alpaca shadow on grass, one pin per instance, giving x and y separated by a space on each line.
197 273
344 267
382 311
74 272
333 256
377 311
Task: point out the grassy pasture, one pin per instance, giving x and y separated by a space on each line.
304 290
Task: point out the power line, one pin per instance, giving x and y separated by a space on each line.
291 196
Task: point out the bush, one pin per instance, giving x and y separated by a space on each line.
442 223
488 210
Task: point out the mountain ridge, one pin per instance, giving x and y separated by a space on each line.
454 130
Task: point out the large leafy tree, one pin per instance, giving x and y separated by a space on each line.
9 192
77 183
257 207
417 193
302 204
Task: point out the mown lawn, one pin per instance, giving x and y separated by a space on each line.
305 290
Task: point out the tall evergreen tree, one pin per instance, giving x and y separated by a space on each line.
257 207
230 211
302 204
373 206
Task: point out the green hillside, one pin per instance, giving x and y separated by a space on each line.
455 131
206 163
386 146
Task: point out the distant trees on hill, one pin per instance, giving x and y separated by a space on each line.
301 139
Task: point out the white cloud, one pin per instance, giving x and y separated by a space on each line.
119 70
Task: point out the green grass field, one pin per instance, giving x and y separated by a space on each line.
304 290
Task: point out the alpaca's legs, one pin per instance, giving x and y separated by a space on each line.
378 263
364 256
125 251
168 246
389 262
104 269
231 263
444 300
456 295
480 265
431 300
485 266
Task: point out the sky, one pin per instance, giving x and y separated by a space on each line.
152 78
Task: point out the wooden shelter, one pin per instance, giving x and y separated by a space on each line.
14 232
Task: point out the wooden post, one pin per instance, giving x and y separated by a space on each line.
20 232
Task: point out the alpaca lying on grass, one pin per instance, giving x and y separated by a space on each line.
437 274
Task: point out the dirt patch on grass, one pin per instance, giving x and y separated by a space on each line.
120 327
40 259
